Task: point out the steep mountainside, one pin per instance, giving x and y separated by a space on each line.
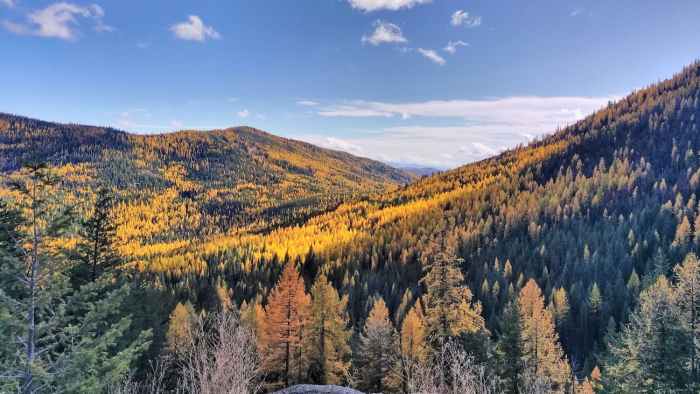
590 212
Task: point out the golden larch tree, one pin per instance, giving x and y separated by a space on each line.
285 319
449 309
180 326
543 357
328 335
378 351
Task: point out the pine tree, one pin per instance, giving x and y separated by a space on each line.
328 336
688 301
542 355
508 349
449 311
286 320
649 355
64 339
377 351
95 248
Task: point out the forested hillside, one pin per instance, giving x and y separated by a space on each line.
240 177
174 191
554 267
593 214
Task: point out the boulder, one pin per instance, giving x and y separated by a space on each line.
314 389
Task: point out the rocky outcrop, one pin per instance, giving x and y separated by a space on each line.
313 389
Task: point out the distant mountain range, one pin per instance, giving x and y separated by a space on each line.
416 169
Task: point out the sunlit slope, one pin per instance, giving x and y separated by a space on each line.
592 209
180 188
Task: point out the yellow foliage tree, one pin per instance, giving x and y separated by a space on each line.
543 357
449 310
328 335
180 326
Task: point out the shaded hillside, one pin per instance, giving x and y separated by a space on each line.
593 211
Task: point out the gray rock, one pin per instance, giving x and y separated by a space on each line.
313 389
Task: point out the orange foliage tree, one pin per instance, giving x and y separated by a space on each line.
285 319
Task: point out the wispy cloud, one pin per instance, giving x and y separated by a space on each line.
544 110
194 29
452 46
576 12
392 5
384 33
462 18
307 103
59 20
481 128
8 3
244 113
432 56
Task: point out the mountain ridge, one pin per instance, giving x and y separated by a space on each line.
195 183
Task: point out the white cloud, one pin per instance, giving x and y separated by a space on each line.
8 3
194 29
232 99
243 113
384 32
527 109
452 46
576 12
393 5
461 17
481 128
59 20
432 55
307 103
335 143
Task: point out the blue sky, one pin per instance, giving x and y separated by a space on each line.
435 83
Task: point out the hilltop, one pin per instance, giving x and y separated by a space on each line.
241 176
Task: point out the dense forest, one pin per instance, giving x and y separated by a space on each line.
567 265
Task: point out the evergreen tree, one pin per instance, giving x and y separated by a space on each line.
95 247
543 357
509 349
648 356
328 336
377 351
449 310
59 338
688 301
